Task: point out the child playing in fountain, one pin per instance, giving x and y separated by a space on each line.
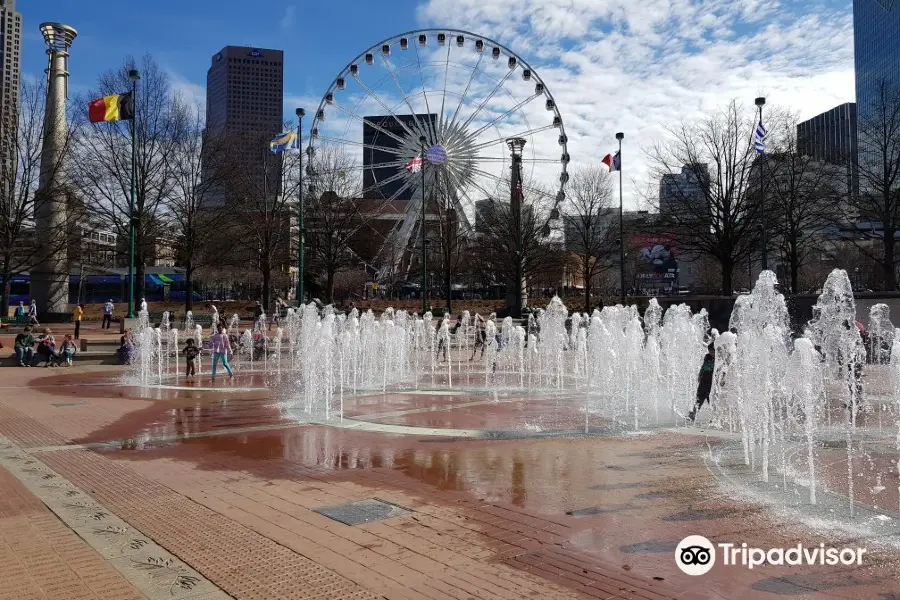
704 383
221 347
191 353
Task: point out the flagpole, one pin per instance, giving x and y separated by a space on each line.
765 242
620 136
302 209
134 76
422 140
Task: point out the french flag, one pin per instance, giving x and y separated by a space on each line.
613 161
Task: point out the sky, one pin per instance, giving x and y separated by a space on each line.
611 65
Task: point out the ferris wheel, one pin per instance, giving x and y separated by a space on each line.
426 115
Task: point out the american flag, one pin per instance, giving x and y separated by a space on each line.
414 165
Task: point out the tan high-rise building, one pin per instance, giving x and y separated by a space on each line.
10 67
244 101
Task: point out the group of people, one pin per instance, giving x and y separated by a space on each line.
31 312
221 347
31 351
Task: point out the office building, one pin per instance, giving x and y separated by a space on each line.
244 102
10 66
681 195
876 45
831 137
379 140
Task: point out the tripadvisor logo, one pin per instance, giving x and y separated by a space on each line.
696 555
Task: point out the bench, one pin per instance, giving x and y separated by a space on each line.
20 321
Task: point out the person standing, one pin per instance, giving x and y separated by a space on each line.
221 347
77 315
704 384
144 305
20 310
190 355
108 309
32 314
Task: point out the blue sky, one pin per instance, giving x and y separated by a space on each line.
612 65
318 37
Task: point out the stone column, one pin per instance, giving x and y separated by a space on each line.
50 274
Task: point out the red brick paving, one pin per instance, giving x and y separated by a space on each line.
238 508
42 559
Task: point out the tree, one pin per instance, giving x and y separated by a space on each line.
878 201
333 215
705 171
196 204
802 200
262 205
591 230
20 196
103 175
530 250
450 238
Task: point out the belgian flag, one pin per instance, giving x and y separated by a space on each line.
118 107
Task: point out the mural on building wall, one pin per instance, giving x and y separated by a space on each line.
658 258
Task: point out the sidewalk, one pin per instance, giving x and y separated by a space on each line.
44 559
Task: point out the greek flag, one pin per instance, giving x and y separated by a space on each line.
283 141
759 138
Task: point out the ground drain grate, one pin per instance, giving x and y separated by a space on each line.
363 511
60 404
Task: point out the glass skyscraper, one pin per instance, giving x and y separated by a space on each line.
876 33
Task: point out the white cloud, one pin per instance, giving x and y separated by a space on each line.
619 65
194 93
287 19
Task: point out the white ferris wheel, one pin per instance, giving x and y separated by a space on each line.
432 110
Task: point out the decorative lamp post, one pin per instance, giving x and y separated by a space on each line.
134 219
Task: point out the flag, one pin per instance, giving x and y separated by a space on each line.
117 107
614 162
414 165
282 141
759 138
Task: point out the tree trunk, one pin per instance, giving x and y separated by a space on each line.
329 285
727 265
887 265
795 269
266 272
586 275
448 288
7 288
188 286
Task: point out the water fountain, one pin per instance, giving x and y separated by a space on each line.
782 405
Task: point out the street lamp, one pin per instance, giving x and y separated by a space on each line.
301 207
133 219
760 102
620 136
422 141
516 146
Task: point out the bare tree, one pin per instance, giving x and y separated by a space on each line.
704 172
262 204
529 250
333 215
878 200
802 200
590 229
196 204
103 175
20 197
450 239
